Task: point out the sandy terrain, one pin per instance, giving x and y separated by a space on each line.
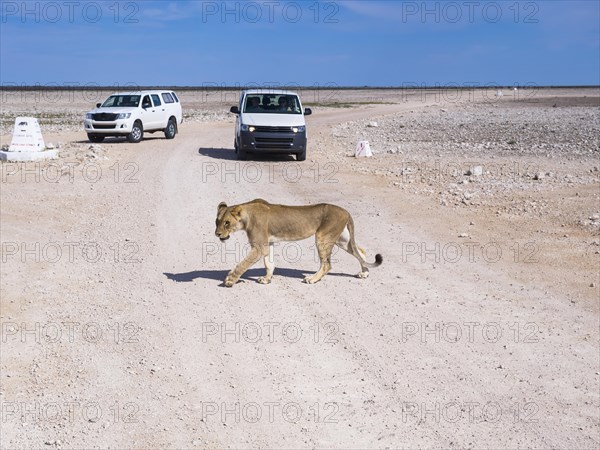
480 329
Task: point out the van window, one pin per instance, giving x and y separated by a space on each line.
156 100
175 97
272 103
167 98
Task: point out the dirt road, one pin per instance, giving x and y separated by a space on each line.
117 332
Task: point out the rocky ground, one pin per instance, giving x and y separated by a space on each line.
471 154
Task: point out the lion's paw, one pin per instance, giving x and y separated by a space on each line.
309 279
230 281
264 280
364 274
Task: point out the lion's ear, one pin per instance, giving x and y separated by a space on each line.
236 212
221 206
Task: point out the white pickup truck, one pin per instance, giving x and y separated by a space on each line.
270 121
131 114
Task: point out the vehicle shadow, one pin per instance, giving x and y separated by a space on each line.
107 140
119 140
228 154
218 153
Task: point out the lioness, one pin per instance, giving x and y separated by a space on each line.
266 224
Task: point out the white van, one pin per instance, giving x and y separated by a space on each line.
270 121
130 114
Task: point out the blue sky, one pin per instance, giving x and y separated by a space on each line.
343 43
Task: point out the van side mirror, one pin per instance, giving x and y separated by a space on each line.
307 111
98 105
234 109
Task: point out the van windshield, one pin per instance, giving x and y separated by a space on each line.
272 104
123 101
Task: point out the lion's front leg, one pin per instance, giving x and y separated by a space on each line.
269 266
253 256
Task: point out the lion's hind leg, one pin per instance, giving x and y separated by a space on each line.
324 249
343 242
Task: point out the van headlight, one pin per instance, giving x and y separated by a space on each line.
123 116
301 129
247 128
89 116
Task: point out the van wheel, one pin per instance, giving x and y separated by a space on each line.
137 133
171 129
241 153
95 138
301 156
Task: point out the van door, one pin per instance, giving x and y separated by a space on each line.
238 122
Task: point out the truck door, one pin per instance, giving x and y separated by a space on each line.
148 113
159 113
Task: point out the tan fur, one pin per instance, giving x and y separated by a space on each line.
265 224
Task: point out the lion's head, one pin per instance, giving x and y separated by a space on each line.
228 220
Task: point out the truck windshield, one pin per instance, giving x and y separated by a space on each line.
272 104
123 101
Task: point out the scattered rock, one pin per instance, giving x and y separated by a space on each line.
475 171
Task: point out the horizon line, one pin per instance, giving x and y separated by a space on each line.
39 86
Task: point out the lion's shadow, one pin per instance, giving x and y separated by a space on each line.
250 275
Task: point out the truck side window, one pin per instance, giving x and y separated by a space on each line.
156 100
167 98
146 102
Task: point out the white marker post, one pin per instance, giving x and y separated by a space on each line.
363 150
27 142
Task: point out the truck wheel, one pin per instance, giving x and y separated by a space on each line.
95 138
137 133
171 129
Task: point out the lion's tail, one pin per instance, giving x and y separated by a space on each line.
359 252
